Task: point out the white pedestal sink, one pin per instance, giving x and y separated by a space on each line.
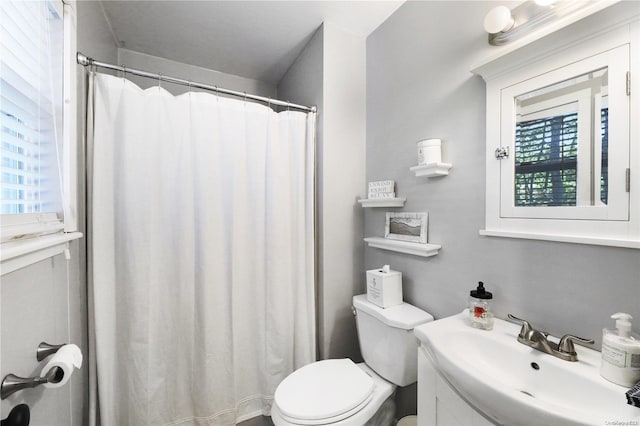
513 384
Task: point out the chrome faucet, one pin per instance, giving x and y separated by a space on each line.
535 339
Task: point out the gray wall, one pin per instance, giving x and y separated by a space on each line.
142 61
419 86
303 84
330 73
47 300
43 302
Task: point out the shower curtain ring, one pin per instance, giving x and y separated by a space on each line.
288 105
124 71
159 80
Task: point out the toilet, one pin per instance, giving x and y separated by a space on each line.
340 392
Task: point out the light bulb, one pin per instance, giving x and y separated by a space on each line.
498 20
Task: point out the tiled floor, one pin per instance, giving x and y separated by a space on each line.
257 421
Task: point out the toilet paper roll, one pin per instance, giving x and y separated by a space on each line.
66 358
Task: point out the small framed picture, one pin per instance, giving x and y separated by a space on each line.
406 227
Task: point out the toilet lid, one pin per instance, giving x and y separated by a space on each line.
324 389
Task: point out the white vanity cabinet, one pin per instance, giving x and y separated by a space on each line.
438 403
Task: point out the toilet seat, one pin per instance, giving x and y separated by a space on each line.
324 392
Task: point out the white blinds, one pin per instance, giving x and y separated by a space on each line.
31 90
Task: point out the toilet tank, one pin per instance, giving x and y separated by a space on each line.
386 338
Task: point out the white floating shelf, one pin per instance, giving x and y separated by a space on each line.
382 202
417 249
432 169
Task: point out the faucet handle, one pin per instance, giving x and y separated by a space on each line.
566 343
526 327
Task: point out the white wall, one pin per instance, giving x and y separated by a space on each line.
343 183
330 73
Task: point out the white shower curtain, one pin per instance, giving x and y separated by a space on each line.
202 253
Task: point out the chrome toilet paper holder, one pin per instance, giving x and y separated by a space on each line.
12 383
45 349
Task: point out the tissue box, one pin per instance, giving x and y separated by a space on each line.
384 288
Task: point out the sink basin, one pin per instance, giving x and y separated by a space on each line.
517 385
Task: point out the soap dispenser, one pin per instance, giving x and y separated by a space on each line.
480 313
621 352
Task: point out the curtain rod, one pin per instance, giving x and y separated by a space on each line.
86 61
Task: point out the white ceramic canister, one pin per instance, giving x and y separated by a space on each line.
430 151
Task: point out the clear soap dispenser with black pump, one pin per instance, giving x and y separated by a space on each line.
480 313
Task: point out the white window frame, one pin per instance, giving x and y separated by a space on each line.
554 52
43 238
616 61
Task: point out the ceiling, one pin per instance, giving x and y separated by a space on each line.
254 39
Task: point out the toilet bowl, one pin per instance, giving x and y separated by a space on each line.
356 396
339 392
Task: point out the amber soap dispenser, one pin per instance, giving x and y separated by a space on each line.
480 313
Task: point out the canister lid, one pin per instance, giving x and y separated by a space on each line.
480 292
429 142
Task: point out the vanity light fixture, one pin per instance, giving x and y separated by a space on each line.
504 25
498 20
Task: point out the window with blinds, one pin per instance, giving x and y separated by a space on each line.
546 153
546 158
31 93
